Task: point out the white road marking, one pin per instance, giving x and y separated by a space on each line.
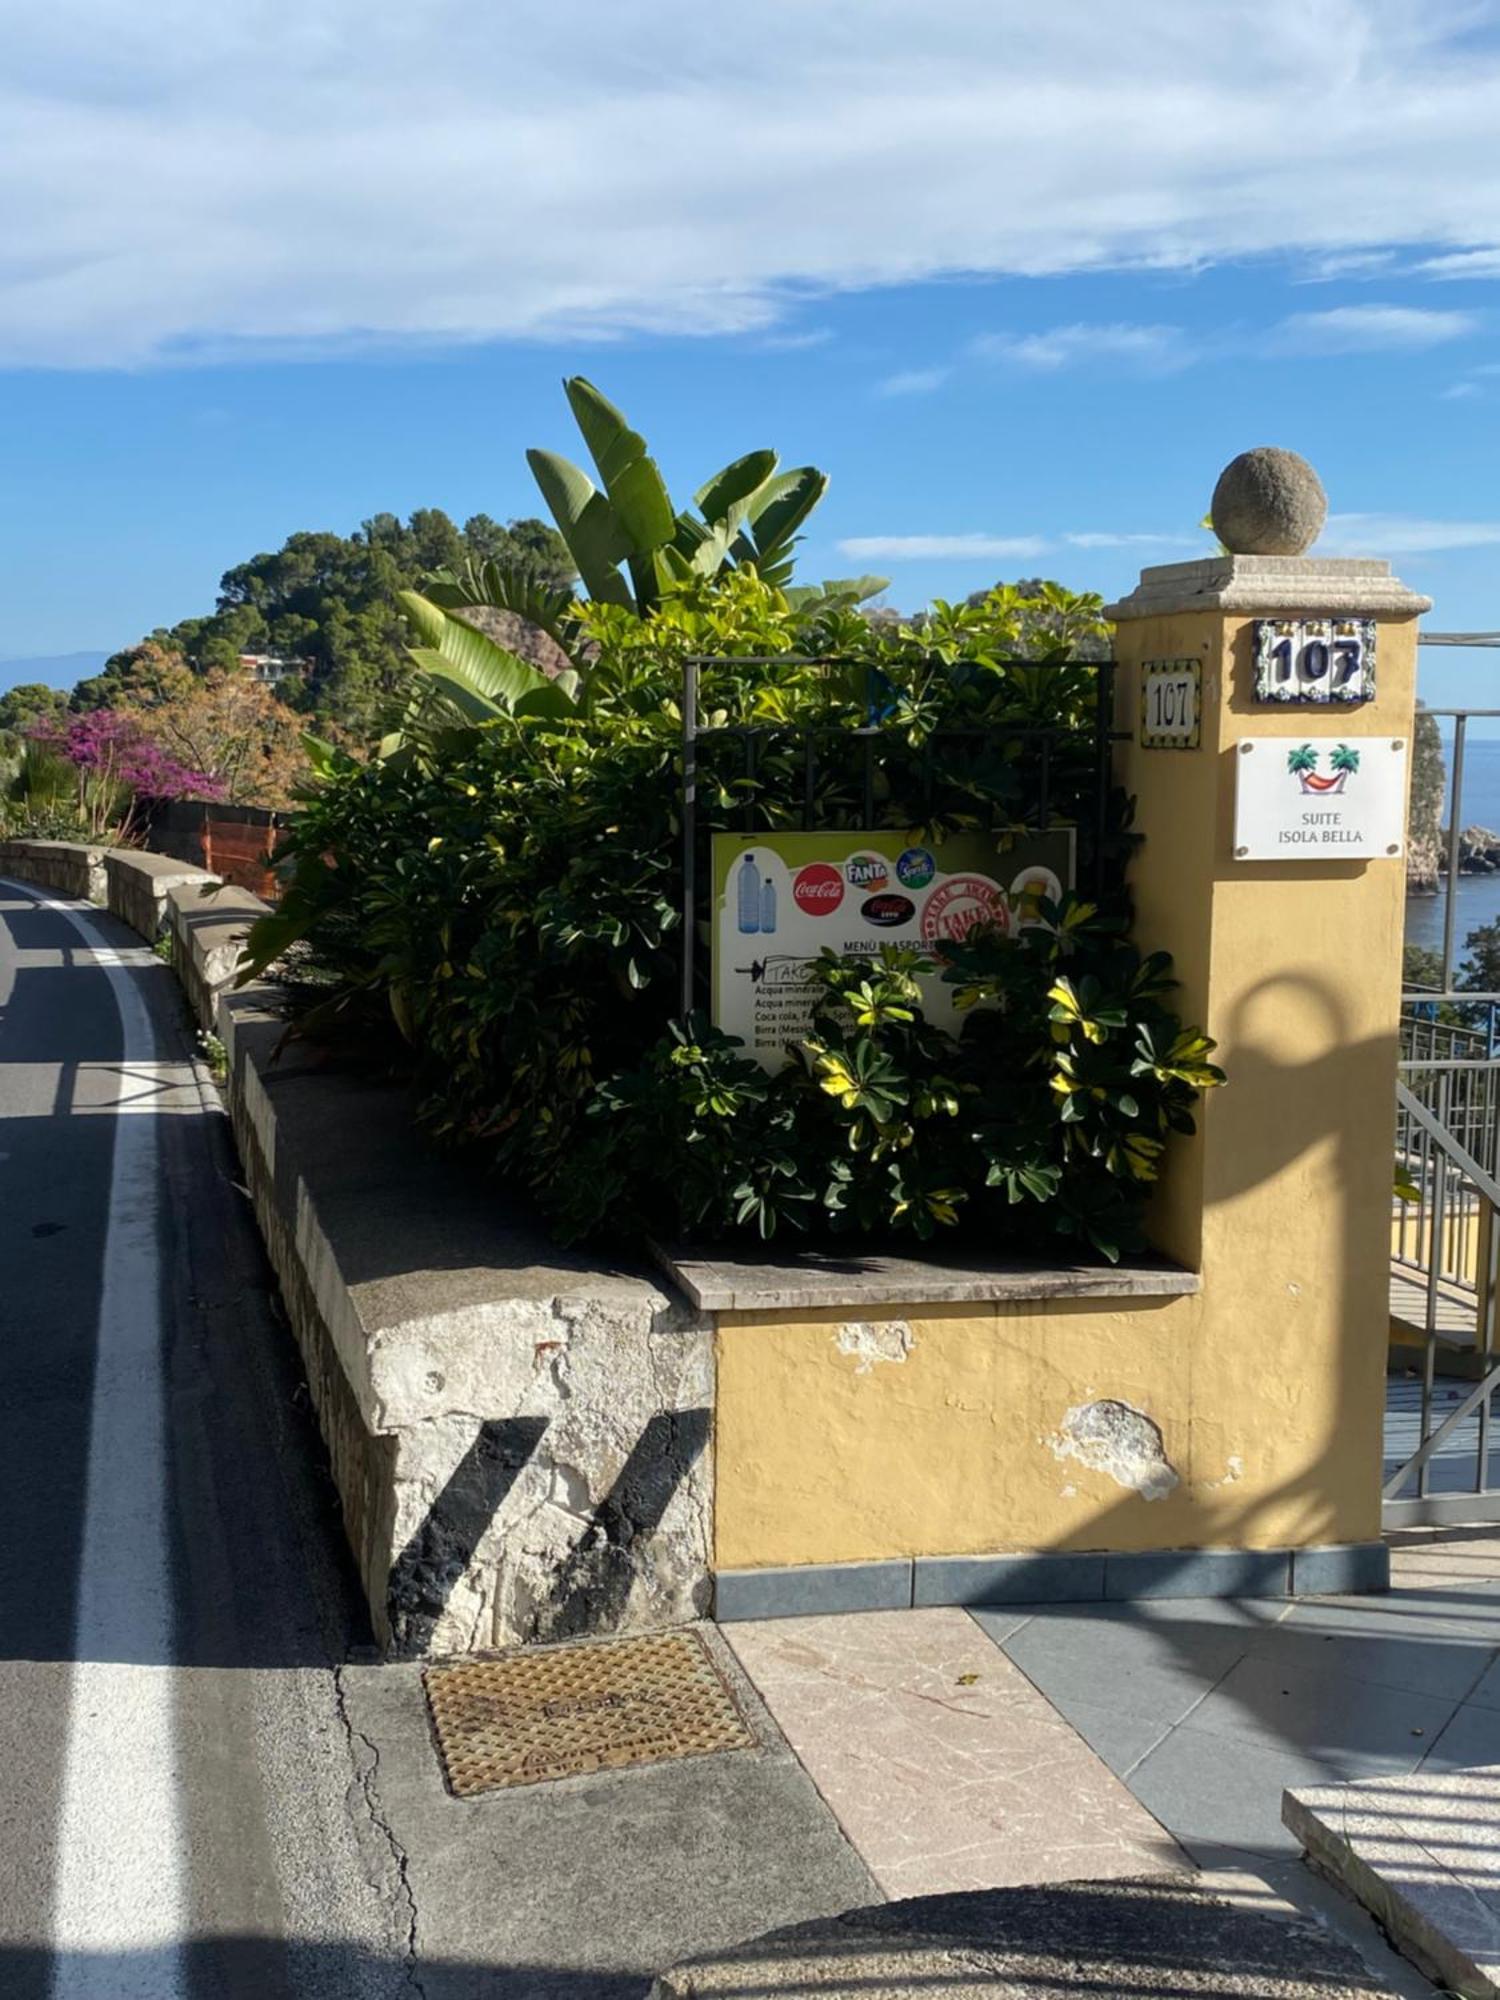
121 1909
100 1089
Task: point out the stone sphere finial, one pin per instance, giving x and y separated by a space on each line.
1268 502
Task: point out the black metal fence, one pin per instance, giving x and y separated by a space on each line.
1061 773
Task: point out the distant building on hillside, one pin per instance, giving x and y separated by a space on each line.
269 668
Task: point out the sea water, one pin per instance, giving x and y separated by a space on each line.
1478 895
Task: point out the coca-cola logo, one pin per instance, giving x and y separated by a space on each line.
818 889
886 912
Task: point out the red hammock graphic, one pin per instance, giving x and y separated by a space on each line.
1312 782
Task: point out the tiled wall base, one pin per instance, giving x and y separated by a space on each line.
1336 1569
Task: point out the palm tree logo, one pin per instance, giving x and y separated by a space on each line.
1302 763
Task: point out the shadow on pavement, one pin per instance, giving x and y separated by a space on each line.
244 1968
1160 1939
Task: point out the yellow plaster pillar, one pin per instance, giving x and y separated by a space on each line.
1283 1199
1243 1416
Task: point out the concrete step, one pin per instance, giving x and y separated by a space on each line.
1422 1853
1165 1938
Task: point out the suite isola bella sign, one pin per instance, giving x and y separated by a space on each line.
1323 799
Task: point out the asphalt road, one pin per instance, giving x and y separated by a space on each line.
184 1807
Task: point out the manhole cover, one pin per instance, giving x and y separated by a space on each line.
567 1710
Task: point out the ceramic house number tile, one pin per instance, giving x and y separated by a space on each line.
1171 704
1314 660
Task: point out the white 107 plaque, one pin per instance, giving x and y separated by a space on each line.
1171 694
1323 799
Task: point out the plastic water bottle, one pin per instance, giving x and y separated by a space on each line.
768 906
749 896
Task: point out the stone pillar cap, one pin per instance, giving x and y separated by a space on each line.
1272 586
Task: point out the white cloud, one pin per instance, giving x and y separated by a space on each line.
940 548
1091 540
1347 264
1463 264
294 176
1369 330
1156 349
1402 535
794 340
963 548
1459 392
913 382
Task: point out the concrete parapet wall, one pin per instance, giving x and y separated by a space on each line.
138 885
520 1439
208 932
66 867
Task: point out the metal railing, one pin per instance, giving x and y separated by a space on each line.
1445 1238
1454 1069
1453 847
1452 1237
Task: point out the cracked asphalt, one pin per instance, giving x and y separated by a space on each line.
185 1806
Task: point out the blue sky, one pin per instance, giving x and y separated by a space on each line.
1021 279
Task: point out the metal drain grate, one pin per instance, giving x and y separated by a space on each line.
563 1711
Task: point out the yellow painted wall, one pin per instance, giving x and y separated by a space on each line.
1268 1387
825 1455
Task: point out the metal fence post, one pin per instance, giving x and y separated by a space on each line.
689 831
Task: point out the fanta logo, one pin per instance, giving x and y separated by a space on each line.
818 889
867 871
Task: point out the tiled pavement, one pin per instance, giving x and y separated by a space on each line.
1208 1710
954 1747
942 1763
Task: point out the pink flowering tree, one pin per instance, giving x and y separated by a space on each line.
120 767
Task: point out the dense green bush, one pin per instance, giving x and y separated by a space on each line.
1059 1096
512 894
38 792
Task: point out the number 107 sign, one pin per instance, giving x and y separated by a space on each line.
1309 660
1171 704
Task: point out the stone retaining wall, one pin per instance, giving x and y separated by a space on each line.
520 1439
62 866
139 885
208 936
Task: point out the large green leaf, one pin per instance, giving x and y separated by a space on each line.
487 669
781 508
734 489
836 590
587 523
674 567
636 489
712 553
478 696
427 620
322 755
509 587
602 424
697 550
